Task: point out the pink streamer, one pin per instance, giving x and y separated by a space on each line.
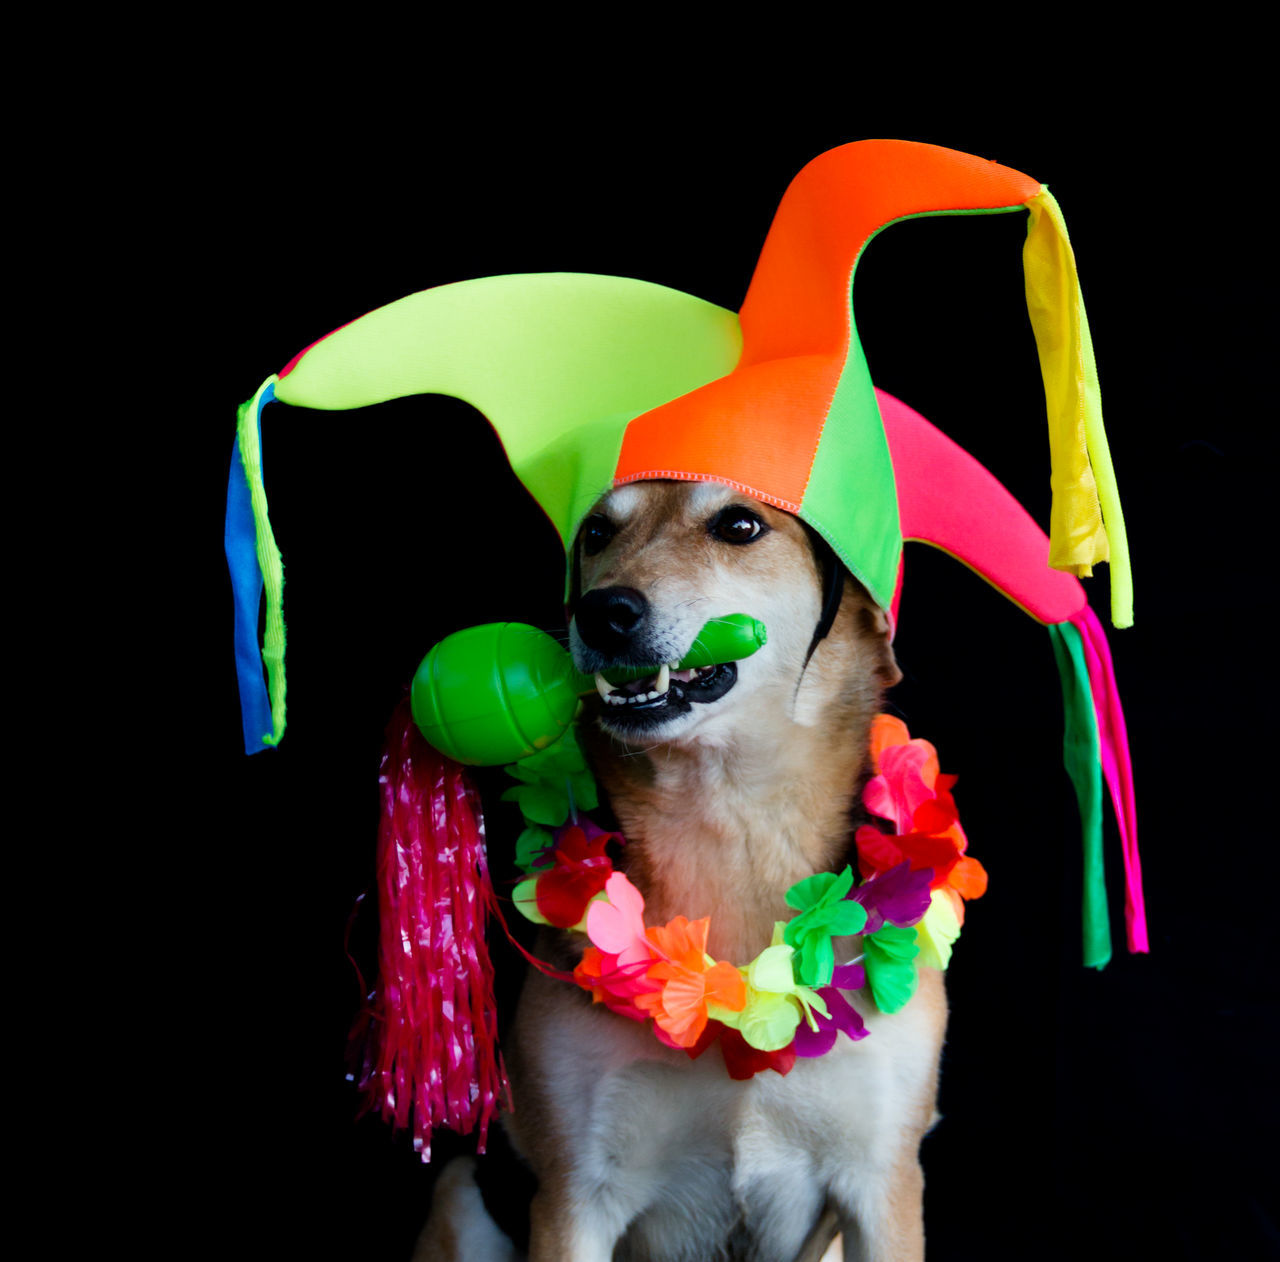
433 1057
1113 745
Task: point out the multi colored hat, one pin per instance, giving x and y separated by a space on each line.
595 381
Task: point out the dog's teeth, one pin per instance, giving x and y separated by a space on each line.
603 686
663 682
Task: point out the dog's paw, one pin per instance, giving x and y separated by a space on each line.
459 1228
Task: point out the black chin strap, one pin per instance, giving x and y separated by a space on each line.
575 582
832 594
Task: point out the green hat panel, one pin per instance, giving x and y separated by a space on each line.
559 362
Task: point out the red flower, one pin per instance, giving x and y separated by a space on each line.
741 1059
581 870
909 789
744 1061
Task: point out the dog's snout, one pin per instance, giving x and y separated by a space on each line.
608 618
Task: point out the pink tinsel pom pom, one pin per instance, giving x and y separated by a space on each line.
432 1058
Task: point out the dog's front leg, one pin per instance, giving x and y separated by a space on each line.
888 1225
878 1187
564 1227
563 1057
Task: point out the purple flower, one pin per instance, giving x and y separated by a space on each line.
849 977
897 897
843 1017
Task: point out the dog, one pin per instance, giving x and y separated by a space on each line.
730 783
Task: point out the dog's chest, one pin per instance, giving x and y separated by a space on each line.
690 1164
709 1167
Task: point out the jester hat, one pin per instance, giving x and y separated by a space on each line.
594 381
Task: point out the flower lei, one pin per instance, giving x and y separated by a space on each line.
787 1002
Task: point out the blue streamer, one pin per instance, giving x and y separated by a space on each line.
240 540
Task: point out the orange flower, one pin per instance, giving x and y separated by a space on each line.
589 974
886 730
691 980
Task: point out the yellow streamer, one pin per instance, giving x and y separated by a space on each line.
1086 524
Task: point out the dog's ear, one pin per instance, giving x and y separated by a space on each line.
878 627
872 634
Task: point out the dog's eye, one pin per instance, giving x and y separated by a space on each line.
596 533
737 525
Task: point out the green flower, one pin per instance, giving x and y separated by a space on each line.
825 913
530 848
891 966
555 781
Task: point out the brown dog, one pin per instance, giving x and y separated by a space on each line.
730 784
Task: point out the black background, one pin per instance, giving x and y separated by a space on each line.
1122 1113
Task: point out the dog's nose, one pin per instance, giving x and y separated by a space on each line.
607 618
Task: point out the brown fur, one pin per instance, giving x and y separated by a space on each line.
641 1153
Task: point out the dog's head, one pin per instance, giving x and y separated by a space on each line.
655 561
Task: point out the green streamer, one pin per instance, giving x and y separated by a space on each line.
1080 753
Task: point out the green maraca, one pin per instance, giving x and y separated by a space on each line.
496 693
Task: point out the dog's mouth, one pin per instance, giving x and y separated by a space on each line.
663 695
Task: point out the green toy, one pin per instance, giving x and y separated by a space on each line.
499 692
